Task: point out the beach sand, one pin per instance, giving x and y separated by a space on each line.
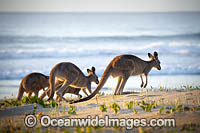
186 120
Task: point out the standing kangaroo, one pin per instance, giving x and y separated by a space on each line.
70 75
32 83
123 67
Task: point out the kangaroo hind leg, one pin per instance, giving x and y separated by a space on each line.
63 88
20 93
124 80
146 81
36 93
118 85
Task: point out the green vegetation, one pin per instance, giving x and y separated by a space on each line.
103 108
135 111
178 108
147 106
129 105
189 127
162 109
26 100
34 109
71 110
53 104
115 107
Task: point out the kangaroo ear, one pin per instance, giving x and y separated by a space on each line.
88 70
93 69
155 54
150 55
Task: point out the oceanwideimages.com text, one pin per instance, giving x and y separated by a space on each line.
128 123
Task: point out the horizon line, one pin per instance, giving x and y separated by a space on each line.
99 11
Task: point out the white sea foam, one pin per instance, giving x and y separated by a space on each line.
183 51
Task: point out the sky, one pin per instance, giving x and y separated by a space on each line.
98 5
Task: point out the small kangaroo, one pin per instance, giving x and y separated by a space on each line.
57 86
71 90
72 76
32 83
123 67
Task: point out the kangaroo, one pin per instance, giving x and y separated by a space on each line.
71 90
57 86
70 75
123 67
32 83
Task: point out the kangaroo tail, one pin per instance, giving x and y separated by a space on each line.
103 80
51 85
21 92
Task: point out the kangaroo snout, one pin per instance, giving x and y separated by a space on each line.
159 68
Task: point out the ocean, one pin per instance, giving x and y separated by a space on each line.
35 42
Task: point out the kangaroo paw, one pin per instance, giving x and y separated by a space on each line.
145 85
141 85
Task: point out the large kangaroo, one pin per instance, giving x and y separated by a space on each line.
70 75
123 67
32 83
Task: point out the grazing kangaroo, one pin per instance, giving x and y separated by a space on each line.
32 83
71 90
70 75
57 86
123 67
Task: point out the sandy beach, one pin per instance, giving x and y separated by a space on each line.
187 119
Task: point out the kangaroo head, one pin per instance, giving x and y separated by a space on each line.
92 75
155 60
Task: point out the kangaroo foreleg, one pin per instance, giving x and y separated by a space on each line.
84 91
46 92
146 81
141 80
89 89
29 94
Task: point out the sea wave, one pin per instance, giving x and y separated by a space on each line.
84 51
175 70
40 39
